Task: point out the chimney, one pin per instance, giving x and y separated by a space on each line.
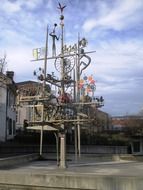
10 74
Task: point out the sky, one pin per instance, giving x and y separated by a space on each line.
113 28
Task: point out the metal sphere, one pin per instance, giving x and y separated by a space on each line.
62 17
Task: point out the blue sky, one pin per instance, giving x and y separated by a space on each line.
114 28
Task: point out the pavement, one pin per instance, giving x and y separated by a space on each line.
81 166
86 173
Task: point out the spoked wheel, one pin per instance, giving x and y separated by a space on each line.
68 63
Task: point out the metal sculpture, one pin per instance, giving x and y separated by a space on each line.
69 63
61 7
87 85
54 38
83 64
65 109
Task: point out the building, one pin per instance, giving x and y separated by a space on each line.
7 106
119 123
103 121
132 126
123 122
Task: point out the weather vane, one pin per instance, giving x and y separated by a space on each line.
61 7
62 16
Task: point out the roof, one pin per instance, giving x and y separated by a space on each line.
26 82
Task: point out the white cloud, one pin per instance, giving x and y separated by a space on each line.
117 69
31 4
19 62
10 7
118 18
117 64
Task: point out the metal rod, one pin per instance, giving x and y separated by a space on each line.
62 151
78 93
60 56
60 121
74 87
75 141
57 147
63 134
79 147
45 62
44 85
41 141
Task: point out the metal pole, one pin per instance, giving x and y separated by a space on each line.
78 94
62 59
79 147
62 151
41 141
41 135
74 87
45 62
75 141
57 147
77 73
75 100
63 134
44 85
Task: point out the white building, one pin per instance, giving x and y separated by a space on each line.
7 106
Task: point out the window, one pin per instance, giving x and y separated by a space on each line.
11 98
14 127
136 146
10 126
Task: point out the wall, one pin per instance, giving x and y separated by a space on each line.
40 181
2 112
7 111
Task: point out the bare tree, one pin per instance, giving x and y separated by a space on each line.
134 125
3 63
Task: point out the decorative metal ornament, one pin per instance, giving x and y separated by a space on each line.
83 42
83 64
54 38
38 53
61 7
69 63
87 85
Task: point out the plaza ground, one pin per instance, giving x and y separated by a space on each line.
88 172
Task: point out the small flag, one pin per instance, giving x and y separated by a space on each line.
39 53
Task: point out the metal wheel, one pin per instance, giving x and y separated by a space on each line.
69 64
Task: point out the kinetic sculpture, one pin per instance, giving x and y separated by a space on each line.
62 110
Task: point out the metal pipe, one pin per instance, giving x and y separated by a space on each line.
63 134
78 94
57 147
41 141
45 62
75 141
62 56
44 85
62 150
